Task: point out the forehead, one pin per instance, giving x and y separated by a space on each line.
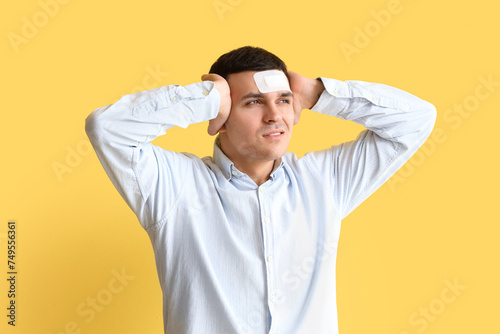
242 82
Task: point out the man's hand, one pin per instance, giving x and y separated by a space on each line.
306 93
225 102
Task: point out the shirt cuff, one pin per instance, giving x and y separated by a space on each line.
334 98
203 98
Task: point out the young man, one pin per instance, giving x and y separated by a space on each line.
246 241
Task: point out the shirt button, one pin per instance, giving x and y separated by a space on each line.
235 172
260 189
205 92
173 99
269 259
273 299
267 220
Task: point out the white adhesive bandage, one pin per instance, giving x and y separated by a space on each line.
271 81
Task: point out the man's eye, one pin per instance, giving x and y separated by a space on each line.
253 102
284 101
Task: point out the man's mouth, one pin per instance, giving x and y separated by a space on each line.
276 134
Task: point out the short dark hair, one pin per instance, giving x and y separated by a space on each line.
247 58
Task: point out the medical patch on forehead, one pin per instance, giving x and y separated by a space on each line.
271 81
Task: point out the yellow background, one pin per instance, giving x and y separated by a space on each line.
436 221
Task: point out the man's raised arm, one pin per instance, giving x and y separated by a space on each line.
397 124
121 135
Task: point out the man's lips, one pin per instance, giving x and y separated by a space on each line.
274 134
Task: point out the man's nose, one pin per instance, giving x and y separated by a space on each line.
272 114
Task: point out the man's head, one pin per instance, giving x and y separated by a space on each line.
247 58
259 126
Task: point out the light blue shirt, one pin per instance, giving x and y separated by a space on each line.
233 257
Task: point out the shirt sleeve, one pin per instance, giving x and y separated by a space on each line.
397 124
121 134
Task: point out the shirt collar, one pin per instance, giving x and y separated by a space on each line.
225 165
228 168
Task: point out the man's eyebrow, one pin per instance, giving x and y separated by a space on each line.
252 95
286 94
260 95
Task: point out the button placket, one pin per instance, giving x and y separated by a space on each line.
267 231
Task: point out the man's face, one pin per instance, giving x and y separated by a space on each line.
260 125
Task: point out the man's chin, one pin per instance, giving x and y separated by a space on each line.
275 154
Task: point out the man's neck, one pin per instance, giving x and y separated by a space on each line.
258 171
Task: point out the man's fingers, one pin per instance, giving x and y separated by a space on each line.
211 77
214 125
207 77
211 130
